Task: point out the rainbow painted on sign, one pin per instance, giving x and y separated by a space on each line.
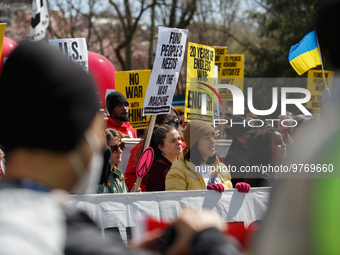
209 93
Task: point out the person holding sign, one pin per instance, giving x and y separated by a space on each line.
115 182
167 145
118 107
36 216
198 166
130 174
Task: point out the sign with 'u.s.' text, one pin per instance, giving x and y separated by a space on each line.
133 85
165 72
73 48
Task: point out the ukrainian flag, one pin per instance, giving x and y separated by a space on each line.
305 55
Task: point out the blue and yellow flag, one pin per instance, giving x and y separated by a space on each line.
305 55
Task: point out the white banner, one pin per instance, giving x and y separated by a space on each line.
74 48
119 210
165 71
39 20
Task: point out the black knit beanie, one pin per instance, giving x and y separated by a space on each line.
240 128
113 99
46 100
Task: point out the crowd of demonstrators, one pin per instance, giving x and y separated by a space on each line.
118 108
115 181
130 174
268 151
36 216
167 145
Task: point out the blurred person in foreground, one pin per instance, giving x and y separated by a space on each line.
115 181
198 167
45 164
167 145
303 213
268 151
238 154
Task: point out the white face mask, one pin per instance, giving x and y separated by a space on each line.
87 179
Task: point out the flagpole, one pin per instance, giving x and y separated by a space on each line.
49 13
323 71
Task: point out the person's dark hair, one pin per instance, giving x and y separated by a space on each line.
181 113
160 119
303 121
261 152
195 156
158 138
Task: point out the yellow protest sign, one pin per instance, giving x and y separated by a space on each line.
133 85
2 35
316 86
231 72
220 52
199 97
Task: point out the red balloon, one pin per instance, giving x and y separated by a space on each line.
7 47
103 73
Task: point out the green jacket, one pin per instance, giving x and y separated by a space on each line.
116 186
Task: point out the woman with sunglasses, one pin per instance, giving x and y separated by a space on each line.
130 174
167 145
115 182
198 166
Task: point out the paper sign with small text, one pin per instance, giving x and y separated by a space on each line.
200 80
133 85
165 72
74 48
230 71
316 86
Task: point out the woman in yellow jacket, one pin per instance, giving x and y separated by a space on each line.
198 167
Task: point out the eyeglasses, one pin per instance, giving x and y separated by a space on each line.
175 119
211 137
114 148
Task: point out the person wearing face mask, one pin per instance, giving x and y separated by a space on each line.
130 174
238 153
65 157
45 164
115 181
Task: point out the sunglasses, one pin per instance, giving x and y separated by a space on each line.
114 148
